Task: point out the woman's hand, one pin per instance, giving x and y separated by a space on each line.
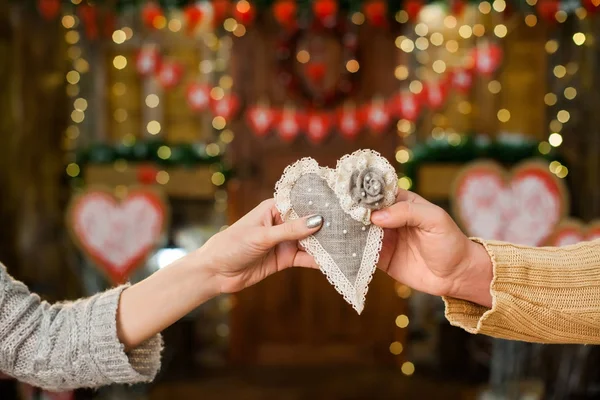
256 246
424 249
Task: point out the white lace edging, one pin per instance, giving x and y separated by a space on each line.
359 161
355 294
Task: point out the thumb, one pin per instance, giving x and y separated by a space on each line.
425 216
293 230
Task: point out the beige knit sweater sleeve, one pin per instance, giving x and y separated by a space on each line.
545 295
68 345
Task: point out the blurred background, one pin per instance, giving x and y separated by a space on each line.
204 104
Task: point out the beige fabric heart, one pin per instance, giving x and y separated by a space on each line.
347 246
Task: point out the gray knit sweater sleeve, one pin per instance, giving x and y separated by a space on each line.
68 345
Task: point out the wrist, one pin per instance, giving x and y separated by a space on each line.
203 273
474 282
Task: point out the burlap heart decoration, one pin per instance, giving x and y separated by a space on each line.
572 231
347 246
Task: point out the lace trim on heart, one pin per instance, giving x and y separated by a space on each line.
359 161
355 294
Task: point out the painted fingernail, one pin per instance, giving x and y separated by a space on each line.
314 222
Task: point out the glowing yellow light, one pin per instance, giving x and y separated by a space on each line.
452 46
500 30
73 170
454 139
119 62
494 87
423 58
72 132
128 32
217 93
550 99
561 16
421 29
74 52
230 24
80 104
226 82
407 45
352 66
499 5
562 172
422 43
76 2
72 37
213 150
226 136
408 368
503 115
402 16
438 133
403 155
219 122
153 127
68 21
560 71
399 40
128 140
563 116
72 90
404 125
120 115
303 56
579 38
240 30
401 72
485 7
555 126
404 183
396 348
572 68
478 30
358 18
403 291
555 139
218 178
450 22
437 39
439 66
465 31
531 20
159 22
464 107
581 13
164 152
415 87
81 65
570 93
119 36
73 77
531 2
553 166
152 100
551 46
77 116
175 25
206 66
544 147
162 177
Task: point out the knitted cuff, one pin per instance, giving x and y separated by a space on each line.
140 364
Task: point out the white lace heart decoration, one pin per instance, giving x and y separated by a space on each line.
347 246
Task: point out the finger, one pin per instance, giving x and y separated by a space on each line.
292 230
305 260
405 213
406 195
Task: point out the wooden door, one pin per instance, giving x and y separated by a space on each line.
297 317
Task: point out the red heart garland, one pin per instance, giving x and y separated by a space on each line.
376 12
435 93
325 11
349 122
317 127
487 58
169 74
49 8
193 15
288 124
225 107
117 235
572 231
147 61
377 116
150 13
406 105
244 13
284 12
462 79
260 119
88 15
198 96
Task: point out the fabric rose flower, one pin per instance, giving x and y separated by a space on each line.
367 188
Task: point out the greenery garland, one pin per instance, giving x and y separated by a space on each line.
505 150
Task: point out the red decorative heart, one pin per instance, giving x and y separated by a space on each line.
49 8
406 105
377 116
487 58
522 207
260 119
288 124
349 122
317 126
225 107
571 231
316 71
436 93
198 96
147 60
117 235
462 79
169 74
